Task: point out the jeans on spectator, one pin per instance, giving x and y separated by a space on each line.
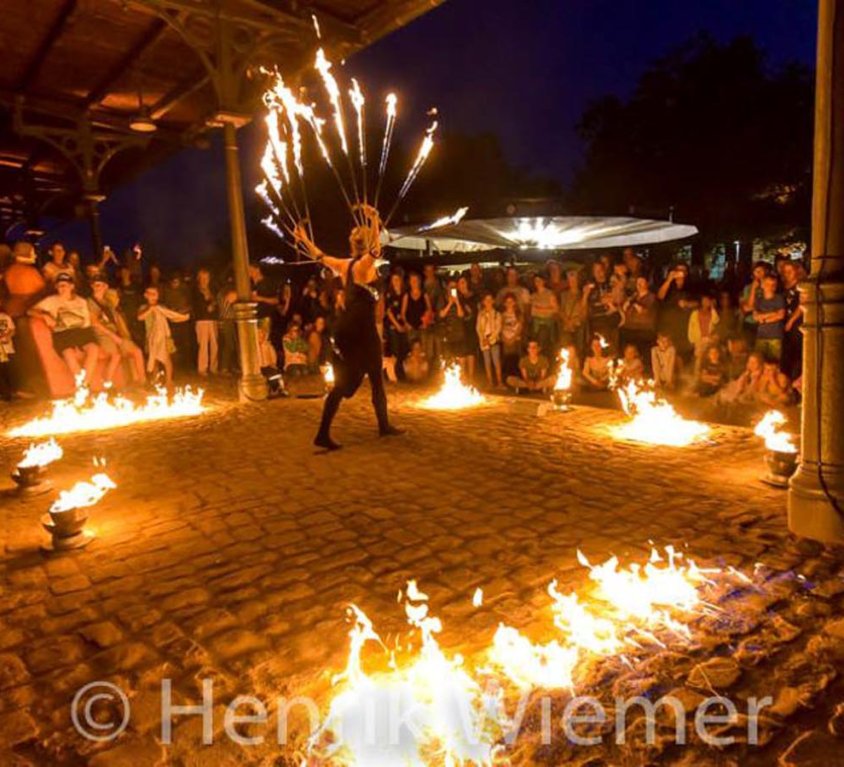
228 346
206 340
492 358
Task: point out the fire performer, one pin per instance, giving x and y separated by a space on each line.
356 338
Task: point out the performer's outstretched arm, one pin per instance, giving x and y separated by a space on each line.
337 265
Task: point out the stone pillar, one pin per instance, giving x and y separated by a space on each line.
252 385
816 494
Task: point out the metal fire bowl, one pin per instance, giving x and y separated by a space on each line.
780 468
561 400
62 541
67 523
29 483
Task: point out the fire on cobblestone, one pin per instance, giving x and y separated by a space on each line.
89 412
454 394
453 712
653 420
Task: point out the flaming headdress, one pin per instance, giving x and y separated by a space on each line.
289 116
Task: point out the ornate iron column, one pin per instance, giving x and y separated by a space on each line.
816 494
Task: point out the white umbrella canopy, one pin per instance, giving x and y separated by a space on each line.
538 232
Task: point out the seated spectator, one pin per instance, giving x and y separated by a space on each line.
703 324
112 331
295 351
712 374
319 345
737 353
596 367
7 351
769 315
58 264
745 389
488 328
416 366
69 317
632 368
729 316
664 363
160 346
534 372
775 389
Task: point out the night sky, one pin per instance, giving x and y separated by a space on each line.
525 70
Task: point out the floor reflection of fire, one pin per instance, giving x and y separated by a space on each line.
413 702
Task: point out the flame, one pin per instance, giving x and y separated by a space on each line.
391 103
83 494
41 455
653 420
328 374
323 66
454 218
424 150
427 710
564 377
87 412
445 715
454 394
358 102
478 597
769 429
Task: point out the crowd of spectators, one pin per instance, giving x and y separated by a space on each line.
736 342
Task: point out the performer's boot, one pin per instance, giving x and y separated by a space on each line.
329 410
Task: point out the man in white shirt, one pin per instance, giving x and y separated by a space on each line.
69 317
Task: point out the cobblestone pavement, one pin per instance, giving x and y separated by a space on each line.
230 550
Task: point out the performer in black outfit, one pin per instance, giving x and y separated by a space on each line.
356 336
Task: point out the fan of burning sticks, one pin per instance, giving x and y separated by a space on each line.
289 117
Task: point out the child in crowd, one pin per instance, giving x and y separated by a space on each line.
632 368
775 388
596 367
664 363
160 346
416 366
7 350
737 354
295 352
712 374
746 388
512 329
488 327
703 328
769 314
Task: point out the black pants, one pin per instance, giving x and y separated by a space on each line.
7 384
348 378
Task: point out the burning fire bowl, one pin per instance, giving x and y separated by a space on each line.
66 529
31 480
561 400
780 467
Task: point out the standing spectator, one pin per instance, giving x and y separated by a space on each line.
265 295
309 304
436 299
639 318
58 264
416 311
451 317
205 315
544 310
226 299
792 342
664 362
69 317
177 296
470 312
620 281
514 288
573 313
729 317
769 315
130 300
703 324
112 331
602 313
160 345
395 326
556 280
676 304
751 293
534 372
488 327
477 279
7 350
512 333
